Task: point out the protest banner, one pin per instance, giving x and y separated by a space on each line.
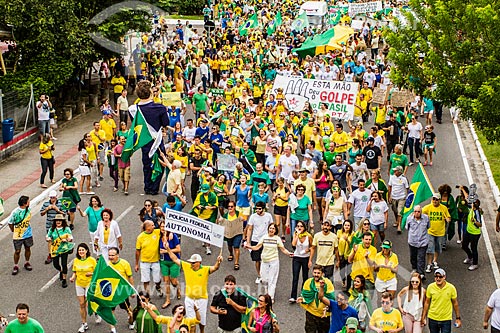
338 96
191 226
357 24
379 95
364 7
216 92
401 98
226 162
171 98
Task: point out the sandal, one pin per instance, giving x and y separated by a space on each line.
230 258
165 305
236 267
395 225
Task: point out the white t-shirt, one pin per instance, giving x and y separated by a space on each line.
259 224
494 303
369 78
399 186
122 103
43 110
360 200
358 172
270 246
288 165
377 215
414 130
189 133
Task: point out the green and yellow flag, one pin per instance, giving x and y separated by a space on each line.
274 24
420 190
107 289
300 23
139 135
251 23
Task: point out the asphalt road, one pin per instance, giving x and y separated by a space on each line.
57 308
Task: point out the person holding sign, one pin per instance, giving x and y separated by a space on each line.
196 277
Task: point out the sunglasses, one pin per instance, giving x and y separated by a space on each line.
366 223
300 189
415 281
147 205
258 208
230 206
438 276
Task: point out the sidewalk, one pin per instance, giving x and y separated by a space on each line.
21 172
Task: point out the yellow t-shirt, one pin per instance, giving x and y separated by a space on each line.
149 245
123 267
367 92
81 268
385 274
317 308
441 307
386 321
309 184
340 139
307 131
185 321
196 281
46 146
359 264
325 248
437 219
106 235
108 126
98 138
238 91
279 201
119 83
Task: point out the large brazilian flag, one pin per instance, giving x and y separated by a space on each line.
420 190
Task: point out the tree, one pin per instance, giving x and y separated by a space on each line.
454 47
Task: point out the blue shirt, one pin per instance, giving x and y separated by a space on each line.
172 243
242 196
358 69
202 133
177 207
174 115
216 137
256 197
339 316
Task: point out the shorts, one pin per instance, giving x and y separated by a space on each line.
377 227
81 291
435 244
255 255
102 156
84 170
398 205
125 305
169 268
201 304
280 211
243 210
150 267
428 146
44 126
27 242
389 285
234 241
428 111
124 174
321 193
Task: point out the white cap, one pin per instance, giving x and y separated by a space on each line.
194 258
53 194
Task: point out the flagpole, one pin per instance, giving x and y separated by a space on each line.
426 177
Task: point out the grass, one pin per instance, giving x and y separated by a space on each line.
185 17
492 152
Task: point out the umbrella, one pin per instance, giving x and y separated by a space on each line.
328 41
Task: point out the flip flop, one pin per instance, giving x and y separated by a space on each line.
165 305
230 258
236 267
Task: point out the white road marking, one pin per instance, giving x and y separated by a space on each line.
487 242
70 264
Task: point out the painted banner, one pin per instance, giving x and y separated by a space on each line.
364 7
216 92
226 162
171 98
191 226
401 98
339 96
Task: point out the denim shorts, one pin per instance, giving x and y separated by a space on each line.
235 241
377 227
435 244
321 193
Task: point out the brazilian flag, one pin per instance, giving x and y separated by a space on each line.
251 23
420 190
251 304
107 289
67 203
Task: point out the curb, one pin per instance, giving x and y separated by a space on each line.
486 164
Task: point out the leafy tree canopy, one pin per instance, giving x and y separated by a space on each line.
459 41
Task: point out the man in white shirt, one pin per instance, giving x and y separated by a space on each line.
398 190
359 172
256 229
369 77
189 132
122 106
205 74
327 75
358 200
287 163
43 106
222 82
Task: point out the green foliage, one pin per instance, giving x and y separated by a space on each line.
460 42
182 7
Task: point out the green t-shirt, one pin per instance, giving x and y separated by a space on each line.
398 160
330 157
200 102
32 326
302 211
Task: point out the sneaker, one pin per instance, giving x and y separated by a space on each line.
101 178
411 163
113 330
85 326
257 280
48 260
82 328
208 251
291 300
459 241
467 261
159 291
473 267
428 269
64 283
131 326
27 266
54 138
98 319
72 226
15 270
435 265
90 193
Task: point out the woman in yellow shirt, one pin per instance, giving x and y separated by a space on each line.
344 236
46 159
83 267
180 155
215 67
177 320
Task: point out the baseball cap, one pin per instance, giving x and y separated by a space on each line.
53 194
326 222
307 156
59 217
440 271
398 168
387 244
209 169
370 138
205 188
194 258
351 322
436 195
